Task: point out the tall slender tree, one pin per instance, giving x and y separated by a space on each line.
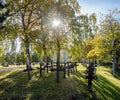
27 17
62 11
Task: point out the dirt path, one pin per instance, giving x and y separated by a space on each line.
10 68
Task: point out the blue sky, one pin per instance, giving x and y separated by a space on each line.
98 6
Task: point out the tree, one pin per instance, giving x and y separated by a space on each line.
62 11
94 47
35 57
43 41
110 26
83 27
4 13
27 15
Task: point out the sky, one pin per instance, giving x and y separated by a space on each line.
98 6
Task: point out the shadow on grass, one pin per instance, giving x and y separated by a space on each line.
13 86
16 86
117 74
48 89
84 94
105 89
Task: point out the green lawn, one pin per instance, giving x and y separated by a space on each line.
14 84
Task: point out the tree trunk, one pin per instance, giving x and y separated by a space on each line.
45 57
58 60
28 62
68 69
28 56
115 63
28 72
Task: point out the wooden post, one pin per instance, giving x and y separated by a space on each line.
71 67
47 66
51 65
76 66
64 70
40 69
68 69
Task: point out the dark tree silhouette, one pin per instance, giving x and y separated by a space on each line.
3 15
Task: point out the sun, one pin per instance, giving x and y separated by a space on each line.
56 22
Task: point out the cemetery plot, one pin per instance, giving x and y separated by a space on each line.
15 85
63 67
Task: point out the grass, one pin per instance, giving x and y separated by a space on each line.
14 84
107 86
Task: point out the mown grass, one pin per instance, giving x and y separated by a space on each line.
14 84
107 86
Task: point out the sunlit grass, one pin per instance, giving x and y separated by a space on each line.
107 87
14 84
106 72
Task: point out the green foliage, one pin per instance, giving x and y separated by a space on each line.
83 27
35 57
94 47
30 21
20 58
111 34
